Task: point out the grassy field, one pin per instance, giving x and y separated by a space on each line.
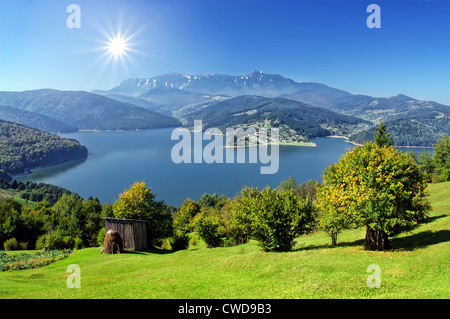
417 267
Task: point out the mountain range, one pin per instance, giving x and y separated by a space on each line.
307 109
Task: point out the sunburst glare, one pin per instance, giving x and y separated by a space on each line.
118 46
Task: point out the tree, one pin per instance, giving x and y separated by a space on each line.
276 217
426 164
437 166
241 209
382 137
303 191
182 219
380 188
68 216
9 219
135 203
442 157
213 200
139 202
92 210
290 183
333 200
208 226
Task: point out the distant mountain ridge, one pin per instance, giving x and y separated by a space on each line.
86 111
34 120
255 83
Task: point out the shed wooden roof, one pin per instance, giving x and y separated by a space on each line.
124 220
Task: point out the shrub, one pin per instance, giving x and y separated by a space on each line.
56 241
40 242
446 174
101 236
207 227
436 178
78 243
183 219
274 218
165 243
11 244
180 241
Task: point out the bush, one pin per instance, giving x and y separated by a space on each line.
101 236
78 243
165 243
180 241
40 242
274 218
207 227
56 241
436 178
446 174
11 244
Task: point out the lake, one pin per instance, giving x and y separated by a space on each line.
118 159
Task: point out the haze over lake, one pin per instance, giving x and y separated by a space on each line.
119 159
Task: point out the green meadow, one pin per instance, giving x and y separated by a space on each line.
417 266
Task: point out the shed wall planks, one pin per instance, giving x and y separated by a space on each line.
132 231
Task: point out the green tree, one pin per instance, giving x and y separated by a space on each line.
287 184
107 210
92 210
382 137
34 221
426 164
9 219
182 219
68 216
303 191
442 157
380 188
276 217
208 226
242 208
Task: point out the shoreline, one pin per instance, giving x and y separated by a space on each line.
29 170
346 139
297 144
357 144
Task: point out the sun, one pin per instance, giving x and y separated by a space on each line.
117 46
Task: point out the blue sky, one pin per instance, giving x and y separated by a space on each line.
314 41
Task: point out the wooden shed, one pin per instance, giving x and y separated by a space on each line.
132 231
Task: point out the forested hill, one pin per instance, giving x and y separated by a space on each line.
86 111
22 148
303 120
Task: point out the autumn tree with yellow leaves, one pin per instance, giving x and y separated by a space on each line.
139 202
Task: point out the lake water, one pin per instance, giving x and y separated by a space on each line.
118 159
